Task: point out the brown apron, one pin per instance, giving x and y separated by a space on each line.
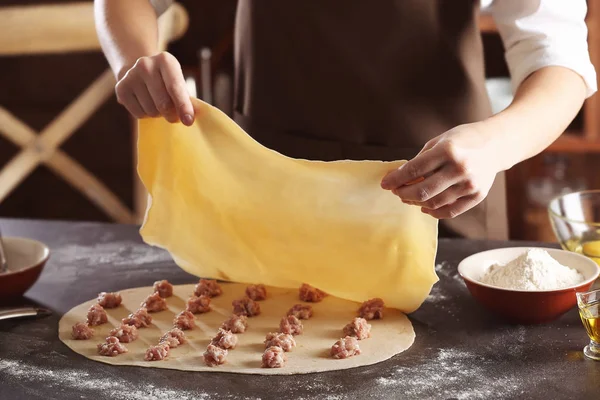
356 79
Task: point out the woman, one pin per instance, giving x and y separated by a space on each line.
388 80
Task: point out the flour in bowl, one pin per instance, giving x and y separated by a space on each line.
535 269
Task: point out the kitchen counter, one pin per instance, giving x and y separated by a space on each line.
460 352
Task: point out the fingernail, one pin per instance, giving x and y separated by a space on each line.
188 119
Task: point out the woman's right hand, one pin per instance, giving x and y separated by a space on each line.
155 87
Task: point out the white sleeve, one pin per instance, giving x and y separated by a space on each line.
541 33
160 6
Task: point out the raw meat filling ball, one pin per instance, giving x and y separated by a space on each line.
256 292
125 333
224 339
283 340
346 347
359 328
184 320
163 288
290 324
81 331
371 309
109 300
274 357
112 347
214 355
311 294
169 341
139 319
154 303
208 287
245 306
157 353
198 305
96 315
173 338
301 311
236 324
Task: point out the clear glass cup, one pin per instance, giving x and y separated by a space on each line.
589 311
575 219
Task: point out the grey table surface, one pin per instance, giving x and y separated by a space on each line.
460 351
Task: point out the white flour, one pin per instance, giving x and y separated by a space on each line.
113 253
533 270
452 374
19 372
112 386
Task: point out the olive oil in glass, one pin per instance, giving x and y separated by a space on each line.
589 310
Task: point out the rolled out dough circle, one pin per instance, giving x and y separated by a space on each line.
390 336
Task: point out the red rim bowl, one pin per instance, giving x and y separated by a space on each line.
26 259
525 307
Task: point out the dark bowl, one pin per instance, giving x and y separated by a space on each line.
525 307
26 259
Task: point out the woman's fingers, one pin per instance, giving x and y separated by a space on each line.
457 208
130 102
428 188
161 98
172 76
155 86
458 168
422 165
143 96
448 196
429 145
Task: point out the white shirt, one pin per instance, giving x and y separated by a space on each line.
542 33
535 33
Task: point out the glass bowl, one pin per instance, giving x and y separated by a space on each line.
575 219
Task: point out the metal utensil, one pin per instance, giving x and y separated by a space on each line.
3 260
21 312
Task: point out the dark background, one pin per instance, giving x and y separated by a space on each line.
37 88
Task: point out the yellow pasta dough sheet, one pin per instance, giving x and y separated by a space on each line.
228 208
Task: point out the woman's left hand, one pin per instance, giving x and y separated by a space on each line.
452 174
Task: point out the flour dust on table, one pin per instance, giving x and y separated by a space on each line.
388 336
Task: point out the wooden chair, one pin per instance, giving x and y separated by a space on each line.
56 29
